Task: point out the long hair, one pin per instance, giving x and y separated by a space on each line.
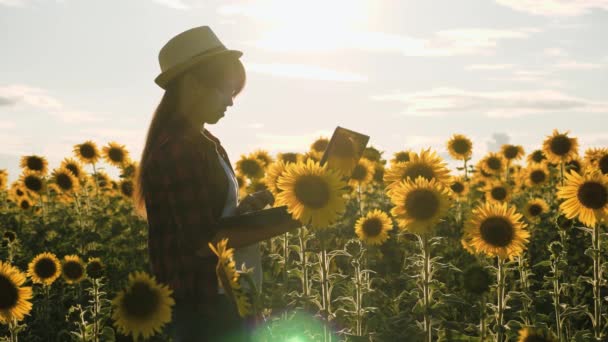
212 72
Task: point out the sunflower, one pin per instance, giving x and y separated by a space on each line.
379 173
426 164
535 208
275 170
129 169
373 228
497 191
3 179
536 157
143 307
493 163
25 203
44 269
362 174
9 236
601 160
34 163
14 298
313 194
73 269
255 186
103 180
115 154
65 180
559 148
459 186
476 279
586 197
32 181
250 167
496 230
320 145
512 152
289 157
401 157
263 157
372 154
310 155
419 204
95 268
460 147
530 334
87 152
126 188
537 174
74 166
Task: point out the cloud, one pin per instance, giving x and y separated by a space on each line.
175 4
308 72
288 143
489 66
555 52
557 8
505 104
13 3
576 65
7 124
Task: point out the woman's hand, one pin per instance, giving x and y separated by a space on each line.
255 201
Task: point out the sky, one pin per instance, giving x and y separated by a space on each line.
409 74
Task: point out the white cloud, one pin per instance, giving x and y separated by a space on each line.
489 66
555 52
453 101
175 4
576 65
560 8
301 71
7 124
289 143
13 3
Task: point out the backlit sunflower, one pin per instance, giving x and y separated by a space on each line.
95 268
419 204
536 157
73 269
74 166
459 186
460 147
103 180
34 163
599 160
536 174
32 181
535 208
372 154
559 148
379 173
14 298
512 152
289 157
476 280
313 194
25 203
3 179
530 334
115 154
44 269
65 180
362 174
143 307
275 170
9 235
401 157
320 145
263 157
373 228
496 230
126 188
250 167
426 164
497 191
586 197
493 163
87 152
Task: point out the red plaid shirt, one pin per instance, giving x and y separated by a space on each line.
186 192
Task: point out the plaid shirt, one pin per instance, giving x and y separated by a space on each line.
186 192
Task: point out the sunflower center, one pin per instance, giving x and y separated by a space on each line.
10 235
499 193
497 231
422 204
35 163
560 145
537 176
537 156
494 163
415 170
461 146
73 270
64 181
603 164
320 145
251 167
87 151
25 204
312 191
372 227
45 268
511 152
457 187
116 155
402 157
74 169
535 338
289 157
19 192
10 293
94 269
33 183
593 195
535 210
126 188
141 301
359 173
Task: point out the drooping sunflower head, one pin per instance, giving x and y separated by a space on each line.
73 269
313 194
559 148
126 188
289 157
460 147
44 269
143 307
419 204
320 145
362 174
401 157
74 166
115 154
497 191
459 186
373 228
476 280
372 154
9 236
275 170
534 209
536 157
493 163
263 157
14 297
34 163
585 197
530 334
250 167
95 268
537 174
87 152
33 182
512 152
496 230
427 165
65 180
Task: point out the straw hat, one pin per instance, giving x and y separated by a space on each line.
187 49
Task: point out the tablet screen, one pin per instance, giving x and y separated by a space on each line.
344 150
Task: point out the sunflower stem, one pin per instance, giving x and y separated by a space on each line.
501 300
525 287
466 173
597 282
358 297
426 281
12 327
325 289
303 258
556 293
95 310
561 173
96 184
482 319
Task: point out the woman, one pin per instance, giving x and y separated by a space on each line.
185 184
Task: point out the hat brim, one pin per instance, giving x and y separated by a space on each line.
163 79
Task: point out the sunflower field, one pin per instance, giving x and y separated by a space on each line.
511 247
